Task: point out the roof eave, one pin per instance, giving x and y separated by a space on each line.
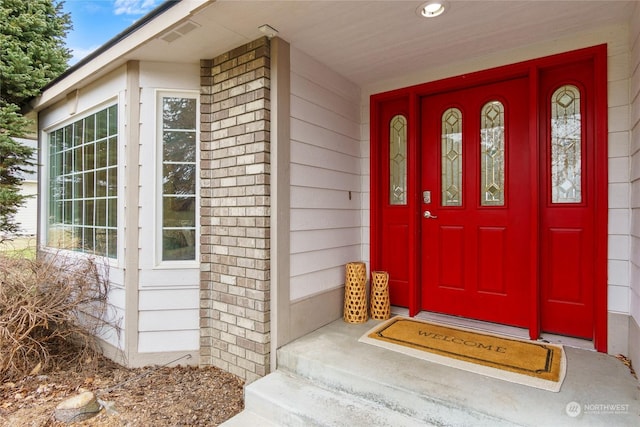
114 52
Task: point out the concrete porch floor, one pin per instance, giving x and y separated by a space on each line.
328 378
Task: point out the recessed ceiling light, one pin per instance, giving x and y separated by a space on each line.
432 9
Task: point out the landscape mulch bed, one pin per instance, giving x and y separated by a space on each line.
151 396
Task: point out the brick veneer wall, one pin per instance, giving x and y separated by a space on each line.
234 241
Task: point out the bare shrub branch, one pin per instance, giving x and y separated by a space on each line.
50 310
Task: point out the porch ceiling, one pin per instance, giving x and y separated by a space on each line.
370 41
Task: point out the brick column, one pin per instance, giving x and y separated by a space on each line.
235 209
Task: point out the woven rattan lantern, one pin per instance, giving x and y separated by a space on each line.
380 306
355 293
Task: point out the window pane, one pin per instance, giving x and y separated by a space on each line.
57 163
74 238
88 213
68 135
77 156
112 212
179 146
178 245
101 240
54 144
68 212
492 154
566 146
101 124
77 186
101 183
452 157
57 211
101 212
65 138
89 157
77 133
89 129
113 120
57 189
101 154
112 247
78 213
68 188
398 161
89 182
88 242
179 212
112 181
179 179
113 152
67 167
178 113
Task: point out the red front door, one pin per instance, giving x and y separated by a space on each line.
489 195
476 203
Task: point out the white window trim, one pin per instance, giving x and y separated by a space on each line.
157 226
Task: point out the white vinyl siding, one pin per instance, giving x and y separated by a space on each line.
168 292
325 221
113 332
167 319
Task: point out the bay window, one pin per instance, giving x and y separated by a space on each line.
83 184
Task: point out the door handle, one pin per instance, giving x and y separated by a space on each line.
427 214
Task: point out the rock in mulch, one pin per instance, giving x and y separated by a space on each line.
77 408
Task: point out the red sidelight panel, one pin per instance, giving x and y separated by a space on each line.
391 218
567 206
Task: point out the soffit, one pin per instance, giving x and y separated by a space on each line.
365 41
377 40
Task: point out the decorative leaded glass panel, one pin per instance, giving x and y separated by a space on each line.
398 160
566 142
452 157
492 154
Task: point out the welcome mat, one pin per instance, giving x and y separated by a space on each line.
525 362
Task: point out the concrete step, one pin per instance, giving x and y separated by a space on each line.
287 400
248 419
340 363
328 378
